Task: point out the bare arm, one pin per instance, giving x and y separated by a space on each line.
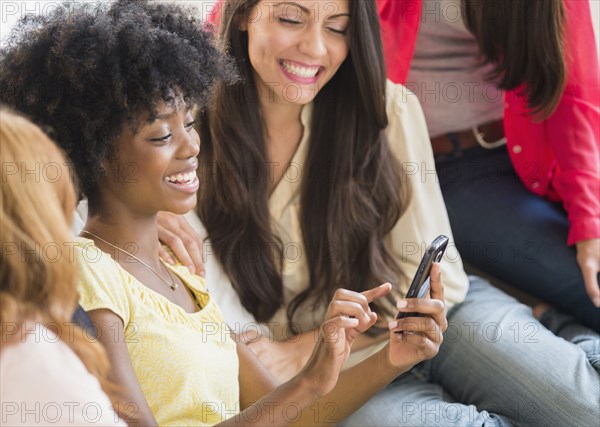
412 340
588 259
285 359
132 404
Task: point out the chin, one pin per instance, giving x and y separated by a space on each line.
182 208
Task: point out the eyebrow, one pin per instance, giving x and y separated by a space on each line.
306 10
166 116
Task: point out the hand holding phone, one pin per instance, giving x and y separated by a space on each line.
420 284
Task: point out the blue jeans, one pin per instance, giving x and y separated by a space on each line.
497 366
512 234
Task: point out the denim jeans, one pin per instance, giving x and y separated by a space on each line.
497 366
512 234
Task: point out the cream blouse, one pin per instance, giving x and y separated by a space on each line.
424 219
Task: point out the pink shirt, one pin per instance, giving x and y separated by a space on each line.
558 158
43 382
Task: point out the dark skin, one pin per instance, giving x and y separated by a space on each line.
124 214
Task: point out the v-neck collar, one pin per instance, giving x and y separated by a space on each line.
289 185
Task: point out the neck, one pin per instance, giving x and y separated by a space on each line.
280 118
134 233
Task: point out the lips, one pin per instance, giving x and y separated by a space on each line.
307 72
185 180
181 178
301 73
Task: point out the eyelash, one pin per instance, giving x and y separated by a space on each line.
188 128
340 32
292 22
289 21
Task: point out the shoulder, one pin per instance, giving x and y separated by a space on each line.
92 260
400 99
61 381
98 268
102 283
407 130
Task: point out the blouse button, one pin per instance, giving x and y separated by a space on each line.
535 185
517 149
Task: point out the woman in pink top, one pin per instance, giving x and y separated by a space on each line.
51 373
548 246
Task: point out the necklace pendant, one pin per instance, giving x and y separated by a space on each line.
174 286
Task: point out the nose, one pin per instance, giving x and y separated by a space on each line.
313 42
189 144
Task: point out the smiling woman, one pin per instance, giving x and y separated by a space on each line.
278 65
115 84
357 141
163 149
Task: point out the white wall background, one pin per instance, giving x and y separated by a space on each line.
12 10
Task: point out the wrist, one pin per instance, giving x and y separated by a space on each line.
386 362
310 383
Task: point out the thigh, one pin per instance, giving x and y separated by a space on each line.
512 234
413 401
498 357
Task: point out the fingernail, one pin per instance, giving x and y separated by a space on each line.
402 304
203 273
191 268
392 324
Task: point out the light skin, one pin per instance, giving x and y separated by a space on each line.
300 32
311 41
300 38
588 259
126 210
310 35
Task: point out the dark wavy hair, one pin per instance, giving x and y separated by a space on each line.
85 70
345 217
523 39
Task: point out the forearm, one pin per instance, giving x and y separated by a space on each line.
364 341
279 407
354 388
307 340
296 403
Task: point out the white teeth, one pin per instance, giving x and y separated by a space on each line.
181 177
300 71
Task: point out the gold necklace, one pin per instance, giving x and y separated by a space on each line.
171 285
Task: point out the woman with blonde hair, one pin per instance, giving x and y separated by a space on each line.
51 371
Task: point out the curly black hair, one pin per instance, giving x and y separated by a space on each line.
86 69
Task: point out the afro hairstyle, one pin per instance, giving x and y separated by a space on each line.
85 70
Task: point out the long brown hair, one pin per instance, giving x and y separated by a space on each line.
524 41
37 278
351 194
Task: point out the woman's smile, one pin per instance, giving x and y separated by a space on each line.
301 73
185 180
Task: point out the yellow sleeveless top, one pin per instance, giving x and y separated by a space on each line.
186 363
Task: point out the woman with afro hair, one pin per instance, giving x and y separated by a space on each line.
115 85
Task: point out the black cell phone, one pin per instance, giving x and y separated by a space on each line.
420 284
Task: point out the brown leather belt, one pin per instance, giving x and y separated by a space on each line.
462 140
